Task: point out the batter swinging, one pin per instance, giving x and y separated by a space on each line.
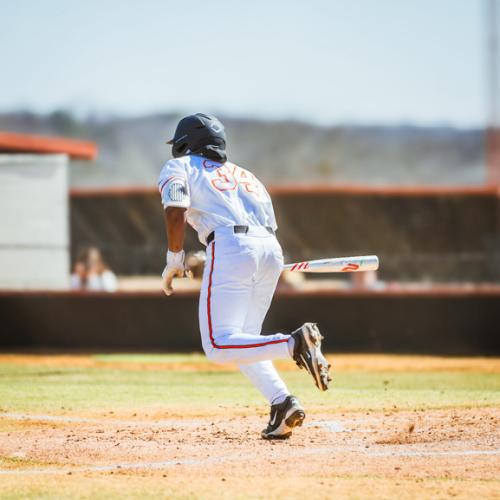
233 215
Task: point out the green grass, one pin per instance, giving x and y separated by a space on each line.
52 389
153 358
16 462
342 487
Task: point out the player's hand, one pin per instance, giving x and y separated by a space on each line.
174 267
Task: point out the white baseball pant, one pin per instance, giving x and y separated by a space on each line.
239 280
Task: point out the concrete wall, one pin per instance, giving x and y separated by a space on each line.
34 222
450 322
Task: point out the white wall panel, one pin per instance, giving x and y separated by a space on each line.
34 221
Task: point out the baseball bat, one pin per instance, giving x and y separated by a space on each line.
336 265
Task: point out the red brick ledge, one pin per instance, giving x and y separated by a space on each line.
440 291
312 189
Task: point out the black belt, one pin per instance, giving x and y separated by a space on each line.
237 229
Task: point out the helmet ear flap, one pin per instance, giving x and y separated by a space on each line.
179 150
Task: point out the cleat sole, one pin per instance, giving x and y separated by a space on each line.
310 357
320 365
276 437
296 419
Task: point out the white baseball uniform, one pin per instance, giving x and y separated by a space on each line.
242 269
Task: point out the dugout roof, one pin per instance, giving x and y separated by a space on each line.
23 143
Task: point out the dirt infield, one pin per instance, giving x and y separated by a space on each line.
141 452
396 446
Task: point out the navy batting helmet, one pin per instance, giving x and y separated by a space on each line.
202 135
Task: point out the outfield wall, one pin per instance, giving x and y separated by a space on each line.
448 321
420 234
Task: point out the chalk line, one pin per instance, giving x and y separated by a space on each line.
165 464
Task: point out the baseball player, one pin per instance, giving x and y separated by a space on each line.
233 215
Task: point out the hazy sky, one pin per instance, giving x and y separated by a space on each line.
376 61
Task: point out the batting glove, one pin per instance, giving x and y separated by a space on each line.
174 267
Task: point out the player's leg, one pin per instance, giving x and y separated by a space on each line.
262 374
286 411
228 281
266 379
226 293
306 340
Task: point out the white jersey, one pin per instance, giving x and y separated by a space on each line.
215 194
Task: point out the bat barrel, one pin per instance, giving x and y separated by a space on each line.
336 265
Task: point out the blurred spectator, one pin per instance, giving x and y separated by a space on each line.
291 280
195 262
366 280
92 273
79 276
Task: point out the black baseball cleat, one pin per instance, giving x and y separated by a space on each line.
284 417
307 354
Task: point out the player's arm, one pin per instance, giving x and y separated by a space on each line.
175 198
175 226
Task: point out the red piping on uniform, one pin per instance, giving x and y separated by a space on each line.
209 312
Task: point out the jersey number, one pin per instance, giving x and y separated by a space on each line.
228 179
